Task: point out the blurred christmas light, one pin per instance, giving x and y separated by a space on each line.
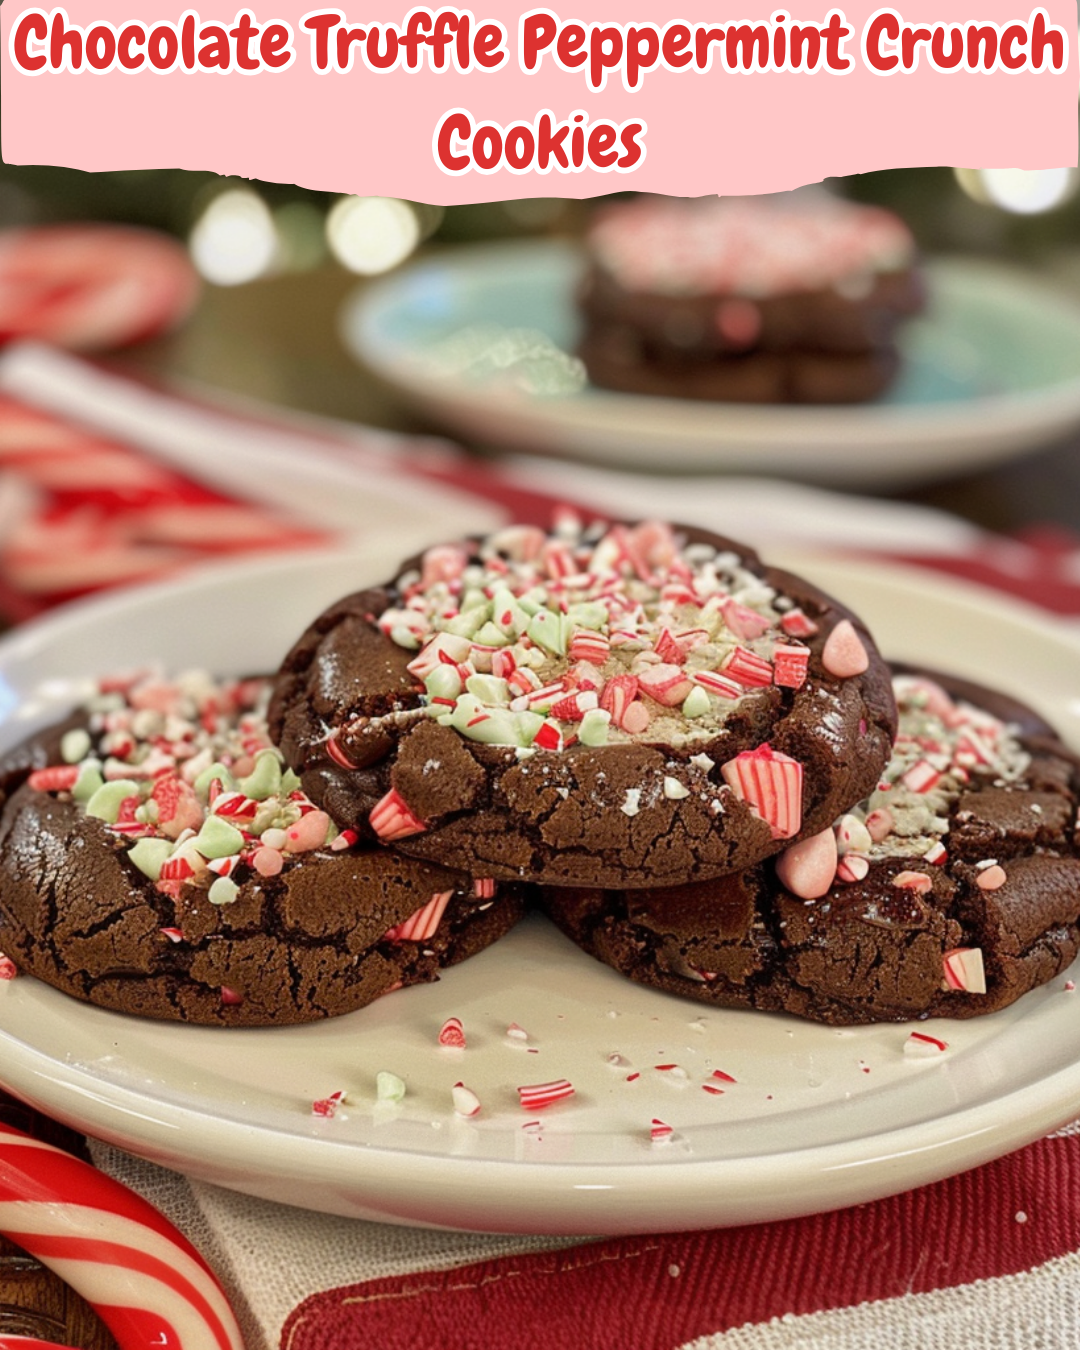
370 235
1026 192
235 239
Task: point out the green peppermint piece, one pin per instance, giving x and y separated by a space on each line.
491 636
216 770
105 803
289 782
223 891
589 614
594 727
548 630
88 781
529 723
74 745
217 839
388 1086
443 682
265 779
489 689
467 623
149 854
507 614
475 599
149 813
489 726
697 702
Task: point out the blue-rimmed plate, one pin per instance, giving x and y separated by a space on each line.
990 371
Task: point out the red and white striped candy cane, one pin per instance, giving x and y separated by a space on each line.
144 1280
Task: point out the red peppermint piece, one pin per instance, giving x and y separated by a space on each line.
178 807
937 854
176 869
452 1034
715 683
724 1077
921 777
796 624
667 649
391 819
852 867
173 934
743 622
327 1106
746 667
230 997
661 1132
920 1043
771 784
8 969
587 645
484 888
668 685
538 1095
334 750
962 968
423 923
549 737
56 778
790 665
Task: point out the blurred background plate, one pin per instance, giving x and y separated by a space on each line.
991 371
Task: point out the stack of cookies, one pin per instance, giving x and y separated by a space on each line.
698 765
789 299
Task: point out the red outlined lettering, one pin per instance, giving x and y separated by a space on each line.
462 145
892 46
432 39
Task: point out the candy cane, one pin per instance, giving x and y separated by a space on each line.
143 1278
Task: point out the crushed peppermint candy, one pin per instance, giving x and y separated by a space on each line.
922 1045
941 746
182 772
8 968
532 640
452 1034
466 1102
538 1095
327 1106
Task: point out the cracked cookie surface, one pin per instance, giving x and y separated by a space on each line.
950 892
628 705
105 894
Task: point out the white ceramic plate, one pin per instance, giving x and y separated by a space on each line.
992 370
818 1117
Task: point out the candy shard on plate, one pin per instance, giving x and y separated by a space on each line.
452 1034
466 1102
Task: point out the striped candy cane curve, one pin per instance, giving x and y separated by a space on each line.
144 1280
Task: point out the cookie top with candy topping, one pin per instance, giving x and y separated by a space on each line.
619 701
157 856
746 246
952 890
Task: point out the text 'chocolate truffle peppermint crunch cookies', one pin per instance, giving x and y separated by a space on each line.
950 892
623 705
157 858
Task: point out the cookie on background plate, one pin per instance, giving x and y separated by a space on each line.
950 892
156 859
622 705
792 298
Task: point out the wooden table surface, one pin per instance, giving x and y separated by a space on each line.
275 340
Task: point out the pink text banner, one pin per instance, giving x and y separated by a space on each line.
450 105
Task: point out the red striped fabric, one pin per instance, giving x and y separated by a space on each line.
657 1293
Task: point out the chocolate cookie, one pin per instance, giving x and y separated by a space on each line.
155 859
794 298
950 892
623 706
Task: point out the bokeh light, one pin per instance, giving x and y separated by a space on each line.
1026 192
370 235
235 239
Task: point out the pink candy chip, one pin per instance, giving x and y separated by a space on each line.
843 654
991 878
308 833
808 868
918 882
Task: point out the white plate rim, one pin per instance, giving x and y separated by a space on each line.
953 1140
